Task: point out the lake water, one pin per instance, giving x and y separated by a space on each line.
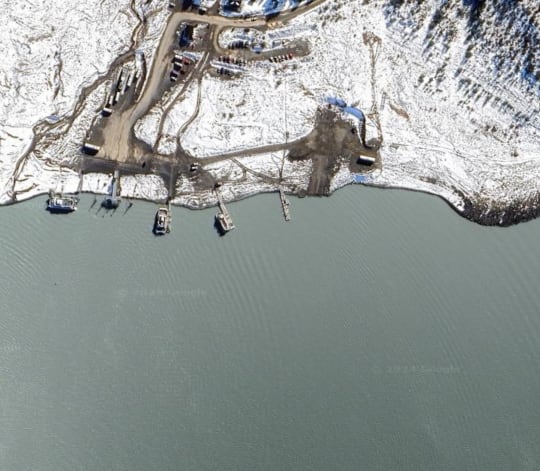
376 331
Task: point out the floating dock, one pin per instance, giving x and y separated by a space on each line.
285 205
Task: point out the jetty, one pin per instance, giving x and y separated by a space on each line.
223 219
80 184
112 200
285 205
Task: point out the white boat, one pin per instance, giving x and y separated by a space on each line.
224 223
162 222
60 203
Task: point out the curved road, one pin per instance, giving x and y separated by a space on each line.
118 136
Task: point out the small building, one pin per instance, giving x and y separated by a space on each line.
365 160
90 149
187 4
185 34
232 5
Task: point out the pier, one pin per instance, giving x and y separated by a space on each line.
112 200
285 205
80 184
223 220
169 217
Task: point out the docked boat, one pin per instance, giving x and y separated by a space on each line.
111 202
162 222
60 203
223 222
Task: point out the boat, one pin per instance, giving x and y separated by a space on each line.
60 203
111 202
223 223
162 222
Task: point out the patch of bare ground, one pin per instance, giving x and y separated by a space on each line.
332 142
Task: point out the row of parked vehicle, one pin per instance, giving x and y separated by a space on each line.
231 60
180 63
281 58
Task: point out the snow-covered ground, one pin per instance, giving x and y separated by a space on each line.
452 92
246 177
50 51
457 120
263 7
248 112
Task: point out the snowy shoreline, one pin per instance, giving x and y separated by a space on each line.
452 123
150 188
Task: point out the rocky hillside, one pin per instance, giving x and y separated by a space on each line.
487 46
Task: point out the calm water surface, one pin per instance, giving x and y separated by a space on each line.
377 331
